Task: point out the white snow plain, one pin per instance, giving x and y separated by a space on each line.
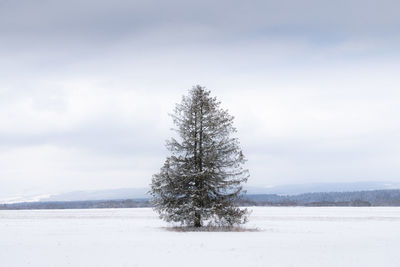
287 236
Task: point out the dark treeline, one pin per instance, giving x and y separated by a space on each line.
357 199
360 198
89 204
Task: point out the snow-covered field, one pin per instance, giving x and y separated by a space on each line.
288 236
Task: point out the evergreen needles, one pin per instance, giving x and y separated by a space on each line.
200 181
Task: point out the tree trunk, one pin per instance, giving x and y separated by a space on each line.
197 220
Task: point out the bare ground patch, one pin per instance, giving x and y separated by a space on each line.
210 229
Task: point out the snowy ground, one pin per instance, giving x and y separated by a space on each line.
136 237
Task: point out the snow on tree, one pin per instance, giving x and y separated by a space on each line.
201 180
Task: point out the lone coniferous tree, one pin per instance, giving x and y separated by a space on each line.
201 181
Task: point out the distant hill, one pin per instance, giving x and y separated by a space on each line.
88 204
141 193
359 198
111 194
296 189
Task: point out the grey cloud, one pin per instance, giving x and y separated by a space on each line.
105 20
58 36
314 85
105 137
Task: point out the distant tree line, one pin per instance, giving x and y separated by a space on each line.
94 204
359 198
355 199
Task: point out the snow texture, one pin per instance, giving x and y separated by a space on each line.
288 236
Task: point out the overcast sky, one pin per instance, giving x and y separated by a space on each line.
86 88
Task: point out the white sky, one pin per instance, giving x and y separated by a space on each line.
86 88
